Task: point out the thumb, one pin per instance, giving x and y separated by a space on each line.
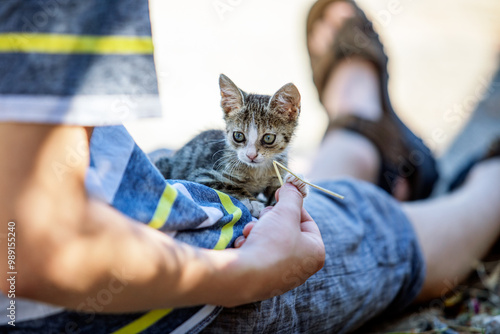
289 197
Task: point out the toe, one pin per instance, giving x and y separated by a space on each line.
323 30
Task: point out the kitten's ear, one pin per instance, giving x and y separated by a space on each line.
232 97
286 101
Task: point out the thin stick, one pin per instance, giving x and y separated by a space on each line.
276 164
277 171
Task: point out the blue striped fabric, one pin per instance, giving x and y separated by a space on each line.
114 17
121 174
138 196
76 62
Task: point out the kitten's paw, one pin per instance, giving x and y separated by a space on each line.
301 186
255 207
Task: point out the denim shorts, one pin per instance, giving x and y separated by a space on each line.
373 266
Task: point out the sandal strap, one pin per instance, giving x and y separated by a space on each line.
356 38
385 136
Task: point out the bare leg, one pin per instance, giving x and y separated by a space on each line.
454 231
457 230
345 153
352 88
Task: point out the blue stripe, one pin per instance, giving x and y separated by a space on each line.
110 151
140 189
89 17
65 75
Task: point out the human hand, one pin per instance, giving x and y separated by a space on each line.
284 248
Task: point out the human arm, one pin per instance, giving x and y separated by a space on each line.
70 247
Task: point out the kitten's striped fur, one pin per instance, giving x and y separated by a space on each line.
241 168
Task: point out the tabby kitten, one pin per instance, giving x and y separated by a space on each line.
239 160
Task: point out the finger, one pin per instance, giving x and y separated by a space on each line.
310 226
307 224
247 229
304 215
239 241
277 195
266 210
290 200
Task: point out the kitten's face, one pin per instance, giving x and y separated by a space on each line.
259 127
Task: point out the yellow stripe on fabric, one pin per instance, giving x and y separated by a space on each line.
150 318
144 322
226 234
74 44
159 218
164 207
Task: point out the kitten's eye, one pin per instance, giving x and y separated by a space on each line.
269 139
238 137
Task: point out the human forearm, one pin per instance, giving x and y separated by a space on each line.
71 249
148 269
145 269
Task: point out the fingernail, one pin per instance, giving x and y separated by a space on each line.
238 241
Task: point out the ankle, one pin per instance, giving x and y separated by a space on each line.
345 153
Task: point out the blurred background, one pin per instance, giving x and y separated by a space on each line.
443 55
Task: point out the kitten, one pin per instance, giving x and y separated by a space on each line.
239 160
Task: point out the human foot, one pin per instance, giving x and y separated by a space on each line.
353 89
350 72
353 85
324 30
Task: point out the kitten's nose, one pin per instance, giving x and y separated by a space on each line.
251 155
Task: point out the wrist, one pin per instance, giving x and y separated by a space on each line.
234 277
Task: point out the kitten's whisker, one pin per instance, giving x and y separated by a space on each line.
222 161
216 140
231 167
221 150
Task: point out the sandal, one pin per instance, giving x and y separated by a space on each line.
403 154
492 152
